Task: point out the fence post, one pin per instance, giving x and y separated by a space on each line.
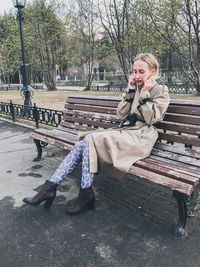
186 89
36 115
12 111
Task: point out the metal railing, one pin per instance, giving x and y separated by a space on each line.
19 87
173 88
38 115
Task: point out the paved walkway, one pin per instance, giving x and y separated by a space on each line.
130 227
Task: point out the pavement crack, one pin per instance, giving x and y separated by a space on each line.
13 150
11 136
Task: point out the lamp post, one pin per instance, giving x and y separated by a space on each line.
26 89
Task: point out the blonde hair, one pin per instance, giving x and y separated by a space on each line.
150 59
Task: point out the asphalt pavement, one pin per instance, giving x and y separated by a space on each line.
131 225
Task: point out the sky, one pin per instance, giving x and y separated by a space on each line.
6 5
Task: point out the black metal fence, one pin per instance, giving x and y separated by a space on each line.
182 88
173 88
38 115
108 88
18 87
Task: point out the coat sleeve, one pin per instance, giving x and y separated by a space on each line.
124 107
153 108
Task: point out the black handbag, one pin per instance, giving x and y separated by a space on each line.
130 121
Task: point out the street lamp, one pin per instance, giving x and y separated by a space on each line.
26 89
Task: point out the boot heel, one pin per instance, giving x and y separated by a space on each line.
85 201
48 203
91 205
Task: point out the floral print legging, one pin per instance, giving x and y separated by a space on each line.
78 153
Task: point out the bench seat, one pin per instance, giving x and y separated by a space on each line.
55 137
163 169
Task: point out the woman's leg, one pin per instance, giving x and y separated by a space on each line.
48 191
86 198
70 162
87 177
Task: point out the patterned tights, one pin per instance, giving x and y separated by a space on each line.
78 153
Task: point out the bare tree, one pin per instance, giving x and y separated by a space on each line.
178 24
82 36
117 18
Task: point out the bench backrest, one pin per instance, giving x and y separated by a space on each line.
180 125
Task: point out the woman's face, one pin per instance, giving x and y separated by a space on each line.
141 72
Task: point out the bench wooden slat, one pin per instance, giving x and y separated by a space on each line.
161 168
96 123
58 135
67 130
180 151
93 102
184 110
179 128
91 115
103 110
162 180
192 120
52 141
186 103
180 165
185 169
176 157
82 98
76 127
173 102
179 139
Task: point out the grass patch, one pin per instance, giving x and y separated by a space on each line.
57 99
49 99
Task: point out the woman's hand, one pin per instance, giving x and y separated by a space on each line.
129 93
131 82
149 83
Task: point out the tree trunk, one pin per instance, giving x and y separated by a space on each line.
197 85
49 82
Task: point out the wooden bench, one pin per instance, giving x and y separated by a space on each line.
175 158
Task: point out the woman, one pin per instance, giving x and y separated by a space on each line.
143 104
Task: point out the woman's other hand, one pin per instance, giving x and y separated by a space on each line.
149 83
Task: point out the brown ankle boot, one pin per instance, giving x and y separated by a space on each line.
47 193
85 201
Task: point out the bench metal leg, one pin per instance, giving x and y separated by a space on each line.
39 150
193 202
181 198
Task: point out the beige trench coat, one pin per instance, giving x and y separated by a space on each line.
120 148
